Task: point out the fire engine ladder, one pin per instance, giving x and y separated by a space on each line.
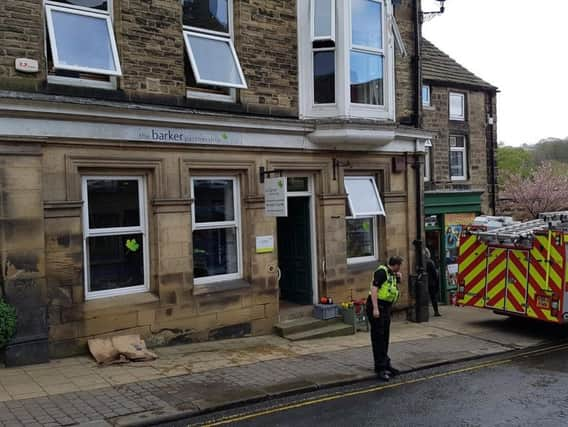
513 232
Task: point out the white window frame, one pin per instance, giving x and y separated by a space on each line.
453 116
94 13
463 151
342 106
377 194
115 231
367 49
193 62
331 37
364 259
193 93
236 224
427 100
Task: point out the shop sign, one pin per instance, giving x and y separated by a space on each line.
275 200
189 136
264 244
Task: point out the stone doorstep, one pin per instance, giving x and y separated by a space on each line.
171 414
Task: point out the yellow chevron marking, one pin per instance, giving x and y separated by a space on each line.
466 244
492 274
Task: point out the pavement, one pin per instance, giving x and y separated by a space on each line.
190 379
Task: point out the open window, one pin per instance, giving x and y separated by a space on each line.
81 40
214 60
363 207
213 70
363 196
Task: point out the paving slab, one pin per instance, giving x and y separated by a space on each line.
191 378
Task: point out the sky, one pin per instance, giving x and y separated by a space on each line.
520 46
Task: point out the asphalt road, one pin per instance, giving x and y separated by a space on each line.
525 389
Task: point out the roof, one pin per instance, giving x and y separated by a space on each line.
437 66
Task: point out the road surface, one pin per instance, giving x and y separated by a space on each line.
522 389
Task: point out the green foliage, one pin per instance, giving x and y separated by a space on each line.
7 322
515 160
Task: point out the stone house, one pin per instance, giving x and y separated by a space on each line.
136 139
460 171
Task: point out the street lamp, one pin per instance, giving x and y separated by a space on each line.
430 15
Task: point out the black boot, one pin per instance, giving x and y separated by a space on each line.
393 371
383 376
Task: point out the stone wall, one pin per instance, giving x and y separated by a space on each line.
475 128
151 50
175 310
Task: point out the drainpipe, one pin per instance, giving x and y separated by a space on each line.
420 288
491 146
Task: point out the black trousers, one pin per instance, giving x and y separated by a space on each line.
433 290
380 333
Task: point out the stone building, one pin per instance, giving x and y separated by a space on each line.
460 171
133 139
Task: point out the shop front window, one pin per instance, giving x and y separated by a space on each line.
216 230
115 237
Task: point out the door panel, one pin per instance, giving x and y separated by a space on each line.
496 277
295 252
517 281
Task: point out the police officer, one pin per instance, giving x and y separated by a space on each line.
382 295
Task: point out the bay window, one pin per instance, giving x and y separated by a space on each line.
458 158
346 58
216 229
366 54
115 240
363 206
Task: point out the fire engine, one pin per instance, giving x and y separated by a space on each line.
519 269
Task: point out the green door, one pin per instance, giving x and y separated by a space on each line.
295 252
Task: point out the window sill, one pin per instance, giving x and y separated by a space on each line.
211 288
120 301
360 267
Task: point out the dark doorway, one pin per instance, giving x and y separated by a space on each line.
295 252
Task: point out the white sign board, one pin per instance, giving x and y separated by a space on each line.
264 244
275 201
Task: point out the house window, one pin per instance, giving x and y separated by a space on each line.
213 69
458 157
115 238
323 44
366 55
346 58
81 41
457 106
216 229
426 91
363 206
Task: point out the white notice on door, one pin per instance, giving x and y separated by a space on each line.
275 201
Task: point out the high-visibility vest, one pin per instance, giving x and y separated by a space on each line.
388 290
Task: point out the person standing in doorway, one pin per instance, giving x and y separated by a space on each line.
383 294
433 281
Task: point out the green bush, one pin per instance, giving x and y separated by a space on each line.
7 322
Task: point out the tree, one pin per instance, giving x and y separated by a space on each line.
543 191
514 160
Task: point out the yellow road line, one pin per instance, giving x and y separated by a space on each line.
315 401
